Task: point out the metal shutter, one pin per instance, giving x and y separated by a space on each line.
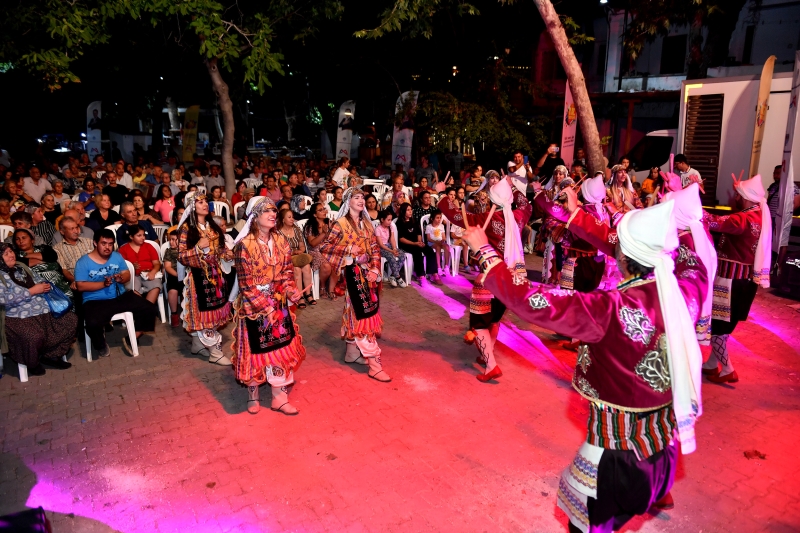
702 139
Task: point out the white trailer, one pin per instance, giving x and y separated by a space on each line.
715 129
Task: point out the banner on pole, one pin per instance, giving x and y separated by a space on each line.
344 132
761 114
94 125
189 137
568 128
404 134
791 160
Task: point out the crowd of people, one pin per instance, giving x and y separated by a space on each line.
631 275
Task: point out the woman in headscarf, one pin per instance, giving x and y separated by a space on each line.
42 259
206 260
29 333
267 346
552 232
299 206
621 191
352 249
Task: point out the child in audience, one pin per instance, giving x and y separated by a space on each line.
395 258
435 234
174 287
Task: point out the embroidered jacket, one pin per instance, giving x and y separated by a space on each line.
623 363
496 231
255 271
737 245
341 239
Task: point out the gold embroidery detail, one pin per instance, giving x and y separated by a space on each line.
583 357
654 367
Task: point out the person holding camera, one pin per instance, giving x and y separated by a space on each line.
548 162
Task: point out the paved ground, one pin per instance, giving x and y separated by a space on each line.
163 443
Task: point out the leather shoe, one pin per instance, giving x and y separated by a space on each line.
733 377
494 373
710 371
665 504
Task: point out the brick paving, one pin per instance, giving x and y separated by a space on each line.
163 442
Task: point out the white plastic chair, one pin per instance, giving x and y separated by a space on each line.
218 210
409 192
160 229
425 221
372 181
380 190
113 229
5 231
236 210
301 224
126 316
328 198
162 296
115 208
253 183
23 369
409 263
201 189
161 251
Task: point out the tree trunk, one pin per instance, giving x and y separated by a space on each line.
226 106
580 95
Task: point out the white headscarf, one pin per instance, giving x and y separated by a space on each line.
648 236
628 183
552 183
502 195
255 206
345 208
753 191
688 213
188 203
594 192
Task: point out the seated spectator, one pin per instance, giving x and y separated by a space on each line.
34 186
238 196
174 287
116 193
60 197
22 219
72 246
223 225
410 240
371 205
298 188
176 217
336 203
101 276
165 203
424 207
87 196
104 216
5 212
217 196
386 234
315 231
299 206
147 267
43 260
301 259
33 334
50 209
435 235
11 193
130 218
142 211
286 197
389 196
177 179
246 195
422 187
41 227
75 212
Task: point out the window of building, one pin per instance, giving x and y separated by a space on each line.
673 54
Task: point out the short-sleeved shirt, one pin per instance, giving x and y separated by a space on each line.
383 235
689 177
116 194
69 254
145 256
435 233
86 269
36 190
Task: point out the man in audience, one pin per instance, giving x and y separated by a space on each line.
397 186
34 186
688 174
80 221
123 178
286 195
313 183
246 195
70 248
270 187
425 170
130 218
297 187
116 193
23 220
99 162
101 276
214 179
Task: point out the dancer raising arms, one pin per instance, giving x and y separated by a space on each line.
503 231
352 249
201 248
267 347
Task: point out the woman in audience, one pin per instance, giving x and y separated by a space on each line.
217 198
301 259
104 215
87 196
147 268
267 346
299 206
410 237
165 203
59 195
174 286
315 232
423 186
50 208
238 196
142 211
5 212
336 203
386 234
371 206
42 259
33 335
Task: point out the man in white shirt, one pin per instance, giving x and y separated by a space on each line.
688 174
214 179
34 186
123 178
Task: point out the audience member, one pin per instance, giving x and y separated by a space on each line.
130 218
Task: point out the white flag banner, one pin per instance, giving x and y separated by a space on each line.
568 128
404 134
791 159
344 132
94 124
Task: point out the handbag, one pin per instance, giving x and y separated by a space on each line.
58 302
301 260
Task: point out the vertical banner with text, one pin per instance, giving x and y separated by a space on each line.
189 137
94 134
344 131
568 128
404 134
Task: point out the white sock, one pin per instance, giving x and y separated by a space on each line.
719 349
485 344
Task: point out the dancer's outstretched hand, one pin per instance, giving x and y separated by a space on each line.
475 237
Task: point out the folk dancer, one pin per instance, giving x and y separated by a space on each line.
551 234
621 192
744 252
639 368
267 346
352 249
201 250
503 231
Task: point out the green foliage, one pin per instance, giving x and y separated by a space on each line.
416 16
573 29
